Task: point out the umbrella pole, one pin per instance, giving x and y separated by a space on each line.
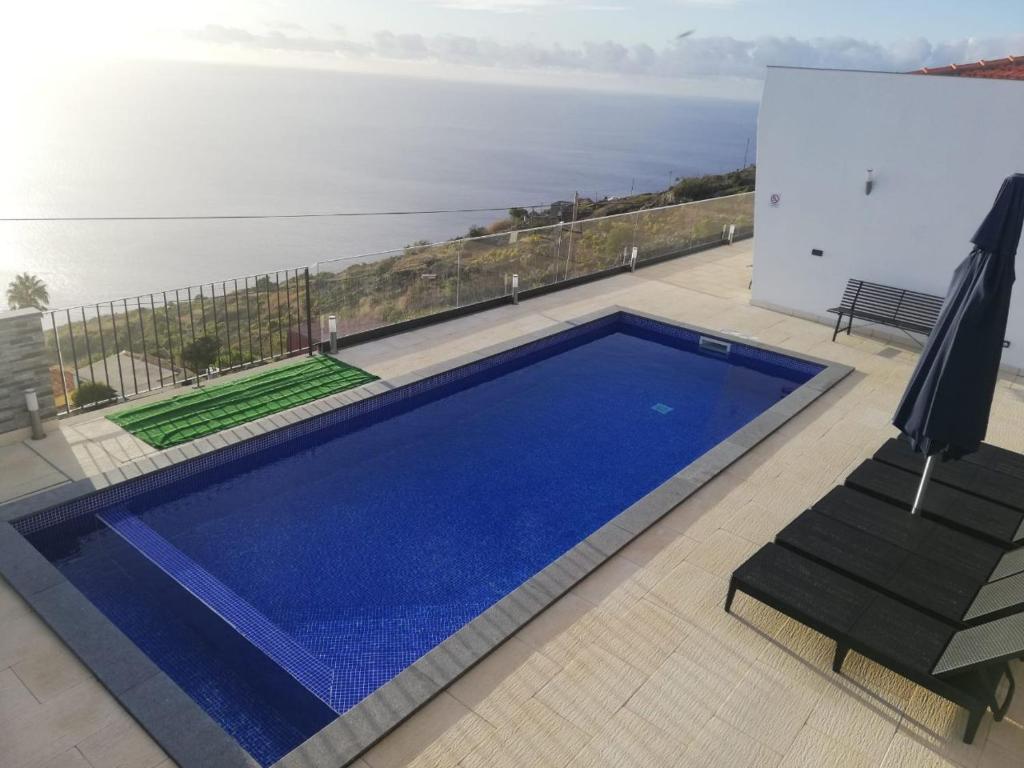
925 477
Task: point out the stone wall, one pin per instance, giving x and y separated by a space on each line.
24 364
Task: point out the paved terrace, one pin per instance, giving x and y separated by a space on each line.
638 665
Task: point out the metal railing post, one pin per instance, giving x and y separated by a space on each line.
170 337
282 342
131 350
88 346
74 351
288 299
458 274
60 364
156 337
309 316
117 350
142 339
103 345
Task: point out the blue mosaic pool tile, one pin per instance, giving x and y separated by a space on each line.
278 646
311 659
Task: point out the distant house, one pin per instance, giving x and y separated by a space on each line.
127 372
1010 68
60 387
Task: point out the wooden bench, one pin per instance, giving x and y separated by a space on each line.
909 311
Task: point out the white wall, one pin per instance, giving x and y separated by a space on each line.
939 147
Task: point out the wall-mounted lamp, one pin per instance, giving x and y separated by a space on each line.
869 182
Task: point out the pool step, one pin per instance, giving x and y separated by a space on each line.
228 620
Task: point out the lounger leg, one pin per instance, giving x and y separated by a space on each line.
840 657
730 595
973 721
999 710
839 320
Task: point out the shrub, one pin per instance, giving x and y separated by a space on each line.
90 392
200 354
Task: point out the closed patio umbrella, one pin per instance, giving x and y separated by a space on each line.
945 409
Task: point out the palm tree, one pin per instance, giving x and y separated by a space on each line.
25 291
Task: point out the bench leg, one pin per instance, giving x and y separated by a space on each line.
731 594
839 320
849 326
840 657
973 721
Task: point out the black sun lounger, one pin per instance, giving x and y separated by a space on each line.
950 506
965 666
999 459
969 476
944 591
945 546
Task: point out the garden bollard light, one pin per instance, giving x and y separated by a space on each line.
32 403
332 326
515 288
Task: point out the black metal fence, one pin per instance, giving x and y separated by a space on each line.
112 350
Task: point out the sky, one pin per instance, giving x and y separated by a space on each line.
700 47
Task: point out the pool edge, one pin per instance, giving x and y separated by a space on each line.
193 738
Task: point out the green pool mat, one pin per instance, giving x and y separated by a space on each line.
221 406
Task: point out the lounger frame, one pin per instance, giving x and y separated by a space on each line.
966 694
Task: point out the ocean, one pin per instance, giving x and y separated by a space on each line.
177 139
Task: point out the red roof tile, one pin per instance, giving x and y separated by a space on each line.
1010 68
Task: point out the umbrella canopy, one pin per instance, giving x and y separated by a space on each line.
946 406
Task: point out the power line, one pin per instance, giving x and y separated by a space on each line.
230 217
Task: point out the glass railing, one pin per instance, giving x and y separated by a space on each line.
380 289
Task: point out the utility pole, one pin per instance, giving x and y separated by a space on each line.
745 152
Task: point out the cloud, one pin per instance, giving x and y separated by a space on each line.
288 26
276 41
521 6
692 57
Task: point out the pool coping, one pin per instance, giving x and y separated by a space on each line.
193 738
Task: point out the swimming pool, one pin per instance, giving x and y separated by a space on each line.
281 581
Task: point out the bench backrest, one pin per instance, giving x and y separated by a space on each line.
893 303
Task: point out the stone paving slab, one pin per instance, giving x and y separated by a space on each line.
26 471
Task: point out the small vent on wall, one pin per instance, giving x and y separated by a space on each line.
714 345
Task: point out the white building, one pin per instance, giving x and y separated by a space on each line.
939 147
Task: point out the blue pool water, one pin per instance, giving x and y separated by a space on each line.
347 553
